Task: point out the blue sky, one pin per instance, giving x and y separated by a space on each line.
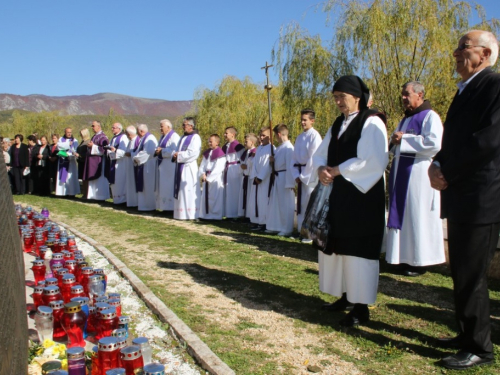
152 48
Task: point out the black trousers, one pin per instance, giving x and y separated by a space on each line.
471 248
18 179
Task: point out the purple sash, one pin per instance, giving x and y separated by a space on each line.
64 163
180 166
163 142
398 189
112 164
139 169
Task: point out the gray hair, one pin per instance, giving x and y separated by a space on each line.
131 130
120 126
6 139
142 127
417 87
190 121
167 122
488 39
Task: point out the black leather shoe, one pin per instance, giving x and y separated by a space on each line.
359 315
338 305
463 360
450 342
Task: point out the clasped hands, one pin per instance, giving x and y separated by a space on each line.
327 174
438 181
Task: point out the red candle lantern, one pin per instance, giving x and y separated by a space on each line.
107 323
38 270
67 255
132 361
28 242
71 240
68 282
73 323
85 273
71 266
109 354
51 293
58 312
117 305
50 281
77 291
59 275
38 296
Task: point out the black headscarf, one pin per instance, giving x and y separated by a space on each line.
355 86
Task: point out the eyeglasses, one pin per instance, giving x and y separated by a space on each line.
463 46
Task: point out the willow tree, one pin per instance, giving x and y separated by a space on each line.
387 43
234 102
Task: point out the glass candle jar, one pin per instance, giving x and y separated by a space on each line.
84 303
116 371
73 323
57 258
77 291
76 361
123 322
68 282
59 276
71 240
38 296
85 273
71 266
143 343
51 293
154 369
41 251
44 323
51 281
107 323
121 343
101 298
45 212
131 357
120 333
28 242
95 286
109 355
117 305
38 269
91 322
100 271
58 312
67 255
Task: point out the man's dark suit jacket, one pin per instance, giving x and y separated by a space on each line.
470 153
24 155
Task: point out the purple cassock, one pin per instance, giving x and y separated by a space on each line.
111 165
93 163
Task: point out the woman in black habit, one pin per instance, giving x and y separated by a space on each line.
353 157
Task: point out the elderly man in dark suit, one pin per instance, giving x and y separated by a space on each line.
467 172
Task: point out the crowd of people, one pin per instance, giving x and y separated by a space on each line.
450 171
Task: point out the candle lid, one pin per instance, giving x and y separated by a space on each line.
124 319
116 371
94 279
72 307
101 299
91 309
81 300
68 278
44 311
41 283
61 271
114 302
57 256
140 341
95 349
130 353
56 305
87 271
120 332
99 271
37 262
80 260
115 295
154 369
55 267
70 262
51 290
38 289
107 344
122 342
51 281
102 306
76 352
109 313
76 289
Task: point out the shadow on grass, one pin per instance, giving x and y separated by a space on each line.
261 295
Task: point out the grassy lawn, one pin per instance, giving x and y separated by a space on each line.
192 266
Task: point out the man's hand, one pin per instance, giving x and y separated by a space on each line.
243 166
257 181
90 144
297 180
174 156
438 181
327 174
396 138
128 154
271 159
112 149
203 177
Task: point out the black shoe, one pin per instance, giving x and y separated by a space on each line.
450 342
258 228
464 360
359 315
413 271
341 304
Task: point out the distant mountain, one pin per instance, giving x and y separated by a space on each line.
98 104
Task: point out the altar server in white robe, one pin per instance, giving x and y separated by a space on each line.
246 162
261 176
232 173
187 183
95 165
280 211
211 173
353 157
415 231
145 169
129 166
67 174
306 145
165 167
117 174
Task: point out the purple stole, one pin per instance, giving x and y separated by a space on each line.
398 189
216 154
93 163
231 148
139 169
163 142
250 154
64 165
180 166
115 142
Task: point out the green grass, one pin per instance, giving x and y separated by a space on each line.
282 275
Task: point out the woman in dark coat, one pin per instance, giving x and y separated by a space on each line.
53 161
81 154
40 170
19 162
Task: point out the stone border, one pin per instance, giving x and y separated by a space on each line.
196 347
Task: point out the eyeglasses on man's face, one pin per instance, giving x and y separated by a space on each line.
463 46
